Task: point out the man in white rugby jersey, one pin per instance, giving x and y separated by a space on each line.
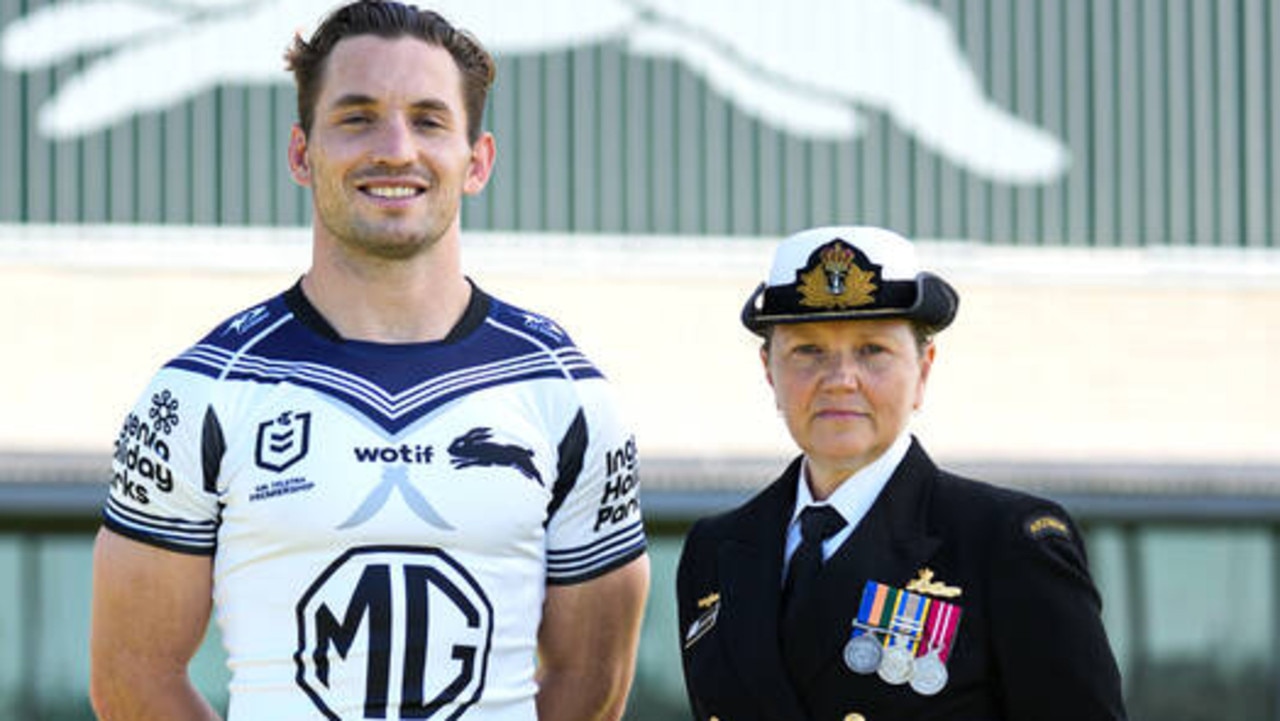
401 497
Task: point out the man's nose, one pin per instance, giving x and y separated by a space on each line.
394 142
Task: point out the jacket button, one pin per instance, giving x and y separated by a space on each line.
855 717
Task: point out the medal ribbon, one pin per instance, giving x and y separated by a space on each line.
877 598
908 620
869 592
941 629
888 612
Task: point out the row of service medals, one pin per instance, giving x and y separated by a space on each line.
903 637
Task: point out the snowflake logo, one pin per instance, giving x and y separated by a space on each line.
164 411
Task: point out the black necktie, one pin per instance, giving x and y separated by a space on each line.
817 524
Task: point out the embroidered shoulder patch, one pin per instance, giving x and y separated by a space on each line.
1040 526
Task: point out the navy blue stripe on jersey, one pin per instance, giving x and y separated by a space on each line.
575 565
392 410
198 537
212 446
392 384
571 450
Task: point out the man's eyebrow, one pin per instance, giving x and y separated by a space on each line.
359 100
432 105
351 100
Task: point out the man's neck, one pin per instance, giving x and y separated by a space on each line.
389 301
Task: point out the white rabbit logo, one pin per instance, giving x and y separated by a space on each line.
811 68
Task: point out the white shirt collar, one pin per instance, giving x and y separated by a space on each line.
855 494
852 499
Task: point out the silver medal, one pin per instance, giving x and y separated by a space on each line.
895 665
862 654
929 675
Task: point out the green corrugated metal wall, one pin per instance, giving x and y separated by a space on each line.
1167 108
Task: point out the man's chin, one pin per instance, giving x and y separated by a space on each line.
393 245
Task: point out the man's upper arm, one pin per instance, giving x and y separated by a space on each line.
587 643
150 612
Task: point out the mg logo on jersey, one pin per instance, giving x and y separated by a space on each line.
393 632
283 441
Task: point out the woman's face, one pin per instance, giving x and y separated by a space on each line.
846 389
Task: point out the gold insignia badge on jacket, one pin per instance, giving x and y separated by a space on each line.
710 605
924 584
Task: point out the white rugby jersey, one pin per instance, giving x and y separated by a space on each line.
383 518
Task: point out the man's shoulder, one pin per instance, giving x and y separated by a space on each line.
247 323
232 336
535 325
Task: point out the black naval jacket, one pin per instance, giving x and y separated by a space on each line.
1030 644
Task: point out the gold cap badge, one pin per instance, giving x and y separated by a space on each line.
836 281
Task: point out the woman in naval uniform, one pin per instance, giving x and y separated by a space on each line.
865 583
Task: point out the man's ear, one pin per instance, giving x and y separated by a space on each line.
483 154
299 164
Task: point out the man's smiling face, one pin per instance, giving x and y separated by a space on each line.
387 157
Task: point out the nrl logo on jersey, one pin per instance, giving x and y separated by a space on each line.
283 441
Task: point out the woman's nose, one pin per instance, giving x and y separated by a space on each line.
843 370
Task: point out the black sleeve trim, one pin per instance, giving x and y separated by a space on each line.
613 565
135 535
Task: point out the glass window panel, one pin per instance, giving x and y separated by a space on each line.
658 693
1108 566
1208 594
11 641
1207 624
65 581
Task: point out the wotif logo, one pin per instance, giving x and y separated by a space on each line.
404 453
813 68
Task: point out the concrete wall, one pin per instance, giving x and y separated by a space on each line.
1106 356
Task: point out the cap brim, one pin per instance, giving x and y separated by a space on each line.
935 307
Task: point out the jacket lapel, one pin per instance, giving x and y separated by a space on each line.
750 570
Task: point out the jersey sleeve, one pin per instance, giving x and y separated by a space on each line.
594 521
158 492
